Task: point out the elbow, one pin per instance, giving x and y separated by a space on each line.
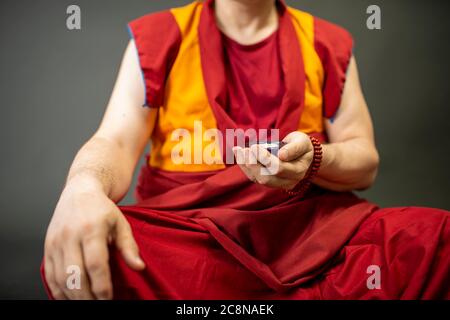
367 181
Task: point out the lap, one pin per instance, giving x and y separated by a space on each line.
409 245
411 248
183 261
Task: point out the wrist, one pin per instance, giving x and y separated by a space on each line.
302 187
84 183
328 156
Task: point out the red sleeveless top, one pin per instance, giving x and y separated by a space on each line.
255 83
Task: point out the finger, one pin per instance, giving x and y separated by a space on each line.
127 246
245 161
49 271
251 165
262 156
269 170
244 156
78 286
240 156
251 159
297 144
270 163
293 136
96 259
262 175
273 181
59 271
248 172
293 170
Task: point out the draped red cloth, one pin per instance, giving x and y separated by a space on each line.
217 235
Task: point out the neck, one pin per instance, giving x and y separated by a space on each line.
246 21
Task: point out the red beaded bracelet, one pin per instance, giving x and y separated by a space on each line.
305 183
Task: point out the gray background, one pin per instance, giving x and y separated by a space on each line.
55 83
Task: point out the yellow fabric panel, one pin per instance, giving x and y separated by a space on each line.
186 102
185 99
312 116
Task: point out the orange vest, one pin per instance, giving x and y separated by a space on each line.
175 56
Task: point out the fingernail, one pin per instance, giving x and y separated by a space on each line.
282 154
140 261
236 149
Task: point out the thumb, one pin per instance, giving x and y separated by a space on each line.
296 145
127 246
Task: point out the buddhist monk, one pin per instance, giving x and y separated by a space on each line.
259 134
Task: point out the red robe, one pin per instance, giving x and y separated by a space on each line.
224 237
217 235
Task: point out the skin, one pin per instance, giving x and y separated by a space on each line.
350 159
86 219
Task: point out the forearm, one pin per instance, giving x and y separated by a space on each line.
348 165
102 165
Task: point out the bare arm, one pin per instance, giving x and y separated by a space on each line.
86 218
109 158
350 159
